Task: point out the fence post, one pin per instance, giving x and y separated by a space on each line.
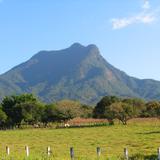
27 151
72 153
126 153
7 150
48 150
159 153
98 151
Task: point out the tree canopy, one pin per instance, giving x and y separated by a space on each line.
27 109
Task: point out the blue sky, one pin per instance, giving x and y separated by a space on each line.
127 32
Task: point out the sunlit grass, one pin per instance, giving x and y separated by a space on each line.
139 136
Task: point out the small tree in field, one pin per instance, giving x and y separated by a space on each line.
68 109
137 105
119 110
101 107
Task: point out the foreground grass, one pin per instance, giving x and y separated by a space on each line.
141 137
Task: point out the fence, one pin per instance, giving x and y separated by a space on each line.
72 154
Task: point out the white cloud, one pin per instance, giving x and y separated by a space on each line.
146 4
146 16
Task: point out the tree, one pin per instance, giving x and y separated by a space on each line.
8 106
3 117
50 113
12 106
152 109
86 111
105 102
137 105
31 112
68 109
65 110
119 110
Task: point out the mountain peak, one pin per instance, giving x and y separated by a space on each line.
78 72
76 45
74 49
92 46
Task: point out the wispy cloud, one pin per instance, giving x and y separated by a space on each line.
146 16
146 4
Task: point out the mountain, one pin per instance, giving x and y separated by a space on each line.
78 72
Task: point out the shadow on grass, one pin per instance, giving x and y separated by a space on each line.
155 132
143 157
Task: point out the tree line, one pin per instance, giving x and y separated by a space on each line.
112 107
22 109
17 110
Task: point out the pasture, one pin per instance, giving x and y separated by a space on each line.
140 136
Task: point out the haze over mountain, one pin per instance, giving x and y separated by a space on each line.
78 73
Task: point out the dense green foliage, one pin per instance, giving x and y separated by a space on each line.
21 108
3 117
78 73
26 109
112 108
152 109
105 102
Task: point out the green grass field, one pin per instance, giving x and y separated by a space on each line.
139 136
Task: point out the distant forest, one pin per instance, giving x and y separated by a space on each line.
26 109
